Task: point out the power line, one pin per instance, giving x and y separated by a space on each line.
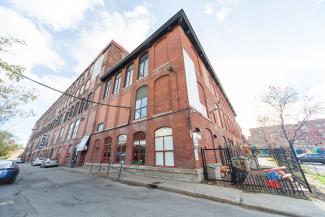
70 95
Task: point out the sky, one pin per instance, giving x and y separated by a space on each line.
251 44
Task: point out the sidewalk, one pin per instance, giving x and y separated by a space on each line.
264 202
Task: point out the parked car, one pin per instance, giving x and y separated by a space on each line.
313 158
49 163
19 160
38 161
8 171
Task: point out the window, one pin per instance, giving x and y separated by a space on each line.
71 111
107 89
164 147
100 127
53 138
107 150
128 76
76 126
87 85
117 83
82 105
82 89
121 148
143 66
76 109
70 131
139 148
61 133
141 103
87 104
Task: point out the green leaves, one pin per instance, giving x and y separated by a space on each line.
7 143
13 96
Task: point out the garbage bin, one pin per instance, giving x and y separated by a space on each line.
214 171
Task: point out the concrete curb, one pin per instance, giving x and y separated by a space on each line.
216 199
238 202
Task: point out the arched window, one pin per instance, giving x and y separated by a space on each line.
121 148
164 147
128 76
143 66
87 102
141 103
139 148
107 150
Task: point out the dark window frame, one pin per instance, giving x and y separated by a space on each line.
143 69
129 75
107 89
117 83
99 125
141 104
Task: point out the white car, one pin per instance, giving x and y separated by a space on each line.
49 163
38 161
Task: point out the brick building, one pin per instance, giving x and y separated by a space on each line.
165 102
312 134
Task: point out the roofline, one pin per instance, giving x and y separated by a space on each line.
92 62
103 51
180 19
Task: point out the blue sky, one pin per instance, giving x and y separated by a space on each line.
251 44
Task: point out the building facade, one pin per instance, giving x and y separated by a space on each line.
152 109
311 134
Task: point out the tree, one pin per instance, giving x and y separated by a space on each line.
7 143
12 95
290 109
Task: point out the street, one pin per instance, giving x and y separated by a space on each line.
56 192
316 168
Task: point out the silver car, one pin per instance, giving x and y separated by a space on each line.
38 161
49 163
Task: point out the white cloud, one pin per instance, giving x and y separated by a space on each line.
221 15
58 15
129 28
208 9
316 2
39 43
225 7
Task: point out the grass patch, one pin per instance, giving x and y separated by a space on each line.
320 178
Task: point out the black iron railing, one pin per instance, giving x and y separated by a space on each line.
291 183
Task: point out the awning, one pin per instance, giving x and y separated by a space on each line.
82 146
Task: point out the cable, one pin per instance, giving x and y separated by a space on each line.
67 94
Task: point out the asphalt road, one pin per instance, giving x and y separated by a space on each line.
316 167
56 192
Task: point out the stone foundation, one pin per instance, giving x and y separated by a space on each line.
188 175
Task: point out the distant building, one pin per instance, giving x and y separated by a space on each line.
165 103
312 134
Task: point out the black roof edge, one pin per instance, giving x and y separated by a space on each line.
181 19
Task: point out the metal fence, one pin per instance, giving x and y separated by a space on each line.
218 165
